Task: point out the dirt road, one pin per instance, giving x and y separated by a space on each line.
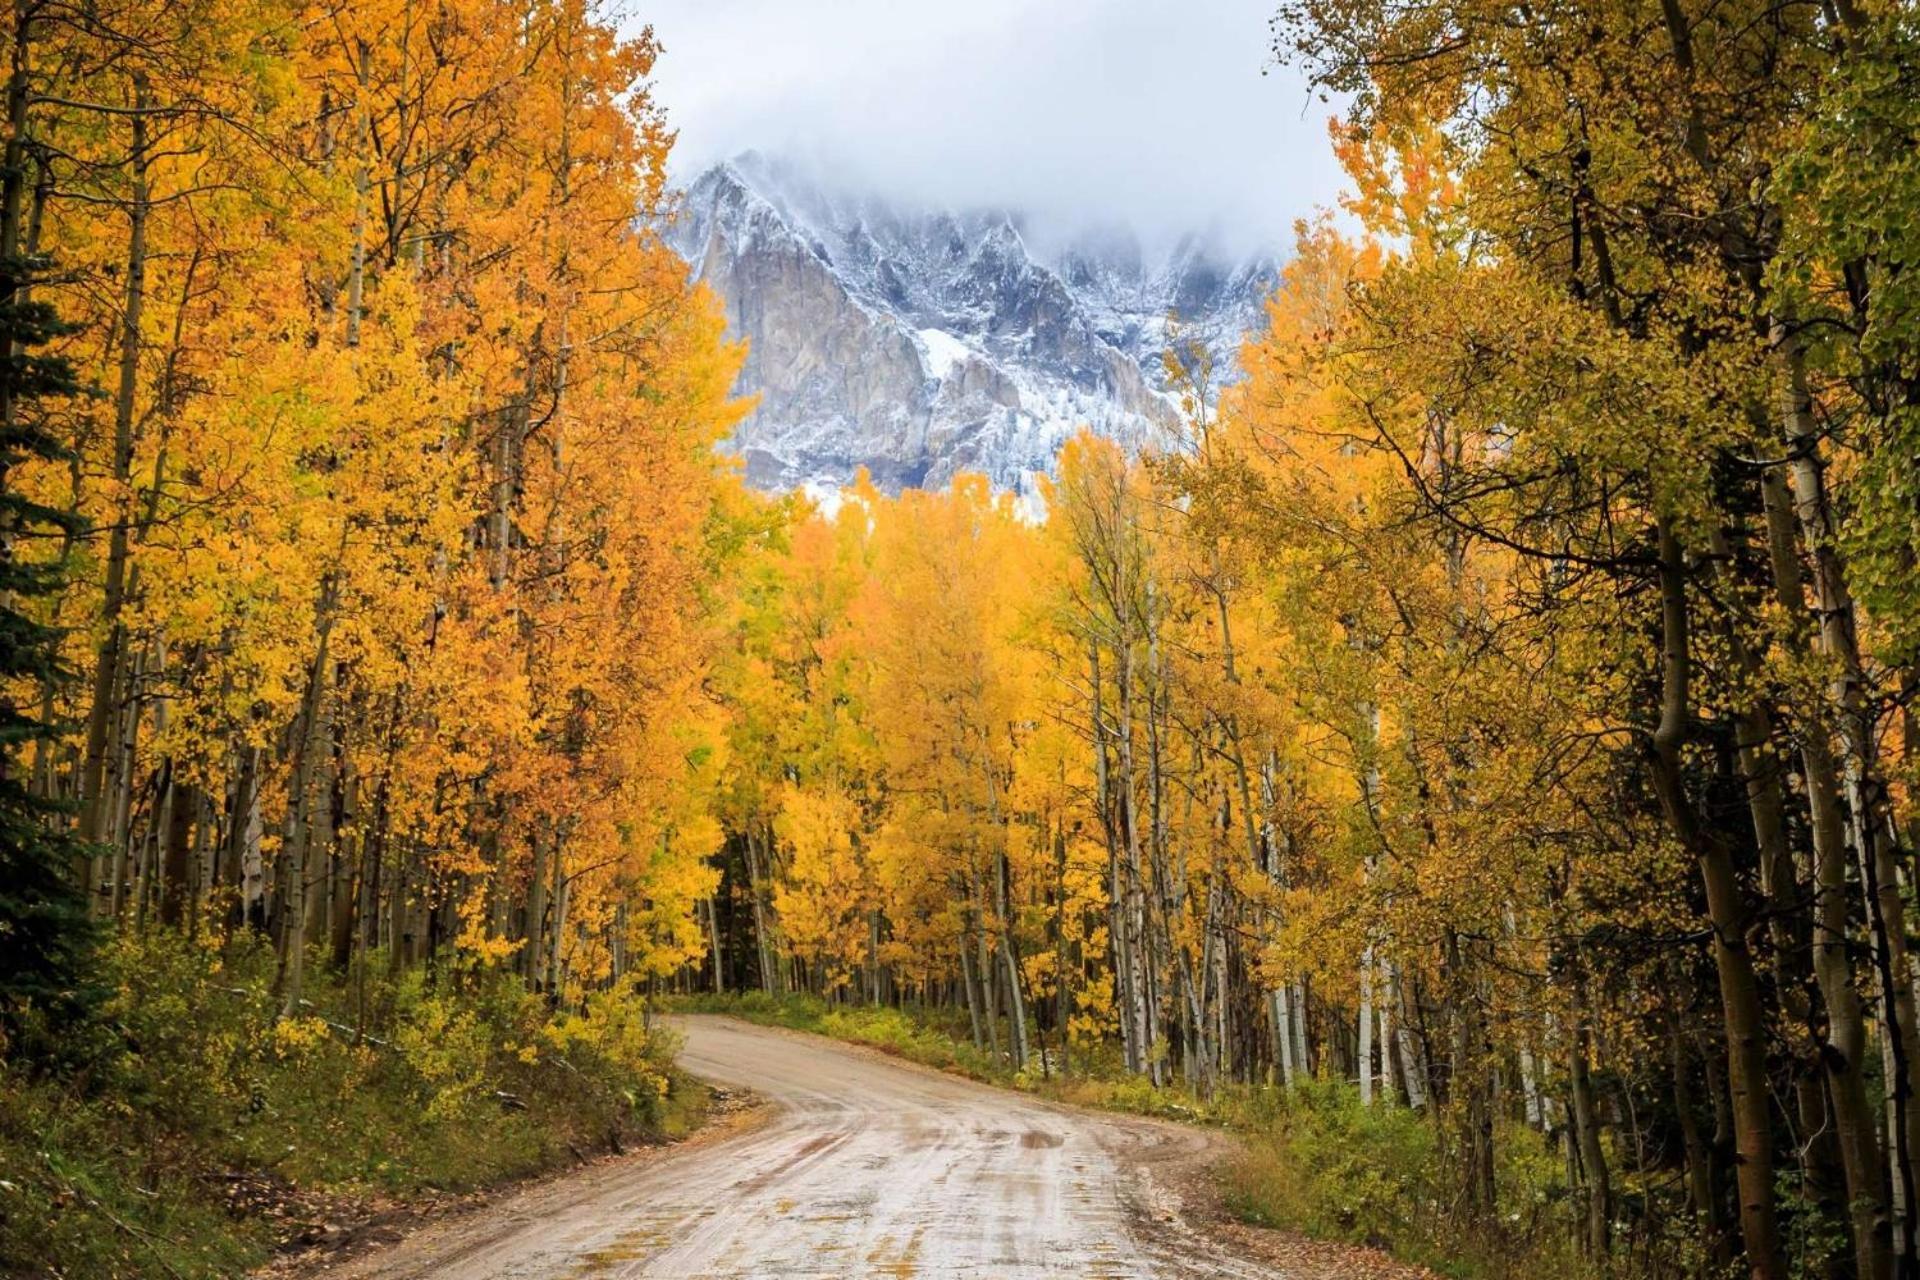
867 1168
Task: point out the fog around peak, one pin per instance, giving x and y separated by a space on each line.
1165 119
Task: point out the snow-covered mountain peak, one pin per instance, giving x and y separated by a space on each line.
923 342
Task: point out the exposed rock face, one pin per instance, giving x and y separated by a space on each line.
919 344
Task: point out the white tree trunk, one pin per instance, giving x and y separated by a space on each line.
1386 1032
1366 1027
1283 1035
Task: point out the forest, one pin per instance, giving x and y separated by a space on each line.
1498 700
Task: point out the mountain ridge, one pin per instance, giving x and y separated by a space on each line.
920 343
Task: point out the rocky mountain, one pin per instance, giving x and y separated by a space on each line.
923 343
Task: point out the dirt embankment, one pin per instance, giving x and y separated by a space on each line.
348 1235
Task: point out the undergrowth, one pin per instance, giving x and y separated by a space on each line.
189 1130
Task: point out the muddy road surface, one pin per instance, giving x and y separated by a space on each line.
865 1167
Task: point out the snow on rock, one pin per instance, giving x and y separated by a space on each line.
943 352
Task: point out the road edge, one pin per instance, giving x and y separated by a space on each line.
378 1226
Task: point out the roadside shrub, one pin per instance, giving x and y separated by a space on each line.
1318 1162
203 1125
1336 1169
443 1043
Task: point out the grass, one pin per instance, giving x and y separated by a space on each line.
189 1131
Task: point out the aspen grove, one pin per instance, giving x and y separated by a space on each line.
1497 699
388 413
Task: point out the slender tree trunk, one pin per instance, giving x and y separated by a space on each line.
1739 987
298 842
1139 1008
764 943
95 797
971 982
349 860
1845 1048
1869 810
183 814
1119 932
719 954
1016 998
1413 1075
1365 1028
357 267
533 948
1586 1125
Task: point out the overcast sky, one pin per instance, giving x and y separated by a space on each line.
1152 113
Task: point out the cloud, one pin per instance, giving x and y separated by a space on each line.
1166 116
